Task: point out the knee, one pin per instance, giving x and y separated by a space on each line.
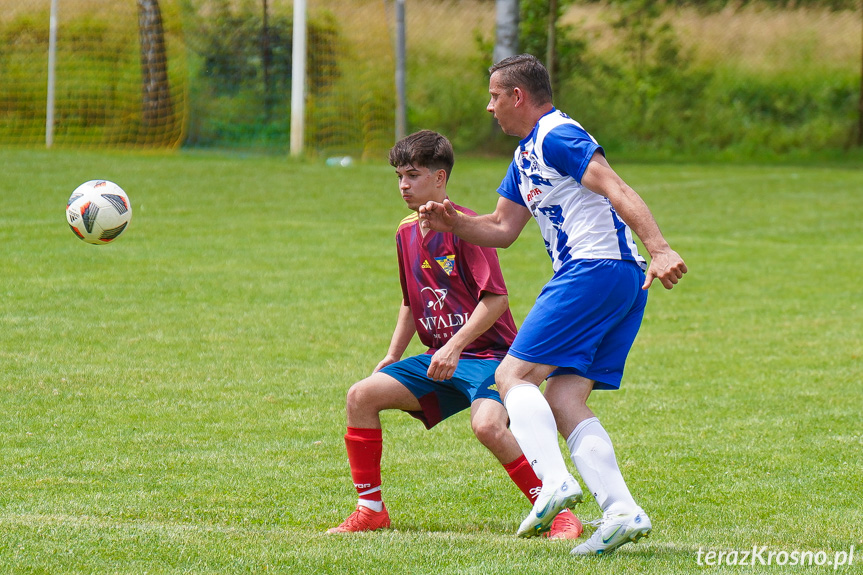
490 432
358 397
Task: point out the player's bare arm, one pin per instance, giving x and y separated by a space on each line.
402 335
445 360
498 229
666 265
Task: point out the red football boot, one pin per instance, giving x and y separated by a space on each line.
364 519
565 526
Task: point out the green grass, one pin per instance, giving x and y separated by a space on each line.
174 402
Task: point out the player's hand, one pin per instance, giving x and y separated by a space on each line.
443 363
667 266
388 360
438 217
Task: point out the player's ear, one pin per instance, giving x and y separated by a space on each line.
440 177
519 96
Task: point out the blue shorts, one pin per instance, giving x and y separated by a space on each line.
473 379
585 320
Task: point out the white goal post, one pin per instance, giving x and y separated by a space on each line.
298 79
52 65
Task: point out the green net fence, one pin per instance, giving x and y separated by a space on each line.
637 73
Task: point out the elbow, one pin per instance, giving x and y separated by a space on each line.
501 304
496 302
509 229
506 239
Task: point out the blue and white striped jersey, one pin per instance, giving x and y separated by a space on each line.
545 176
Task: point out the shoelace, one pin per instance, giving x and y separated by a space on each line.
595 524
353 520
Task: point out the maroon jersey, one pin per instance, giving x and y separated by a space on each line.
442 279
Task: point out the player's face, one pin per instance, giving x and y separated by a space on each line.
502 105
421 185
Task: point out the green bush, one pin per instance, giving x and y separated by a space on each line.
647 96
640 94
450 98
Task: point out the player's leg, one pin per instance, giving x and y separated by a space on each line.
533 425
481 381
368 398
531 419
489 424
623 520
364 443
557 331
488 420
589 444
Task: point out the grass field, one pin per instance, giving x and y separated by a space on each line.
174 402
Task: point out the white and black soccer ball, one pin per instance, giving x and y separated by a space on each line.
98 211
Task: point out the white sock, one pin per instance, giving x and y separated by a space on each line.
593 456
532 423
377 506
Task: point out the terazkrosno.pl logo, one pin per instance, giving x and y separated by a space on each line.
763 555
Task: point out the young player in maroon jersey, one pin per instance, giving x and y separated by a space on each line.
455 300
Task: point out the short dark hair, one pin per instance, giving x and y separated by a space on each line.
524 71
424 149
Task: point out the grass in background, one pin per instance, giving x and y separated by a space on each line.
174 402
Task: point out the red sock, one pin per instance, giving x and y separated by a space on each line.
364 454
523 476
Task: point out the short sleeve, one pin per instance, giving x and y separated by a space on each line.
484 269
509 187
402 273
568 149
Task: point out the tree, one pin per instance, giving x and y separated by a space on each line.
860 108
506 38
157 104
541 34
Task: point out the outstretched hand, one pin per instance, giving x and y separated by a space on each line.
438 217
667 266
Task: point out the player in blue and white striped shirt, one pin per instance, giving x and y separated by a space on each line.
580 330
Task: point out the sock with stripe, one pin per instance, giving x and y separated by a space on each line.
523 476
365 447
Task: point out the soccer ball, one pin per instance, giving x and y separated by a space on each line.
98 211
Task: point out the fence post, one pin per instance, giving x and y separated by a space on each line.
52 64
506 30
298 79
860 107
401 57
